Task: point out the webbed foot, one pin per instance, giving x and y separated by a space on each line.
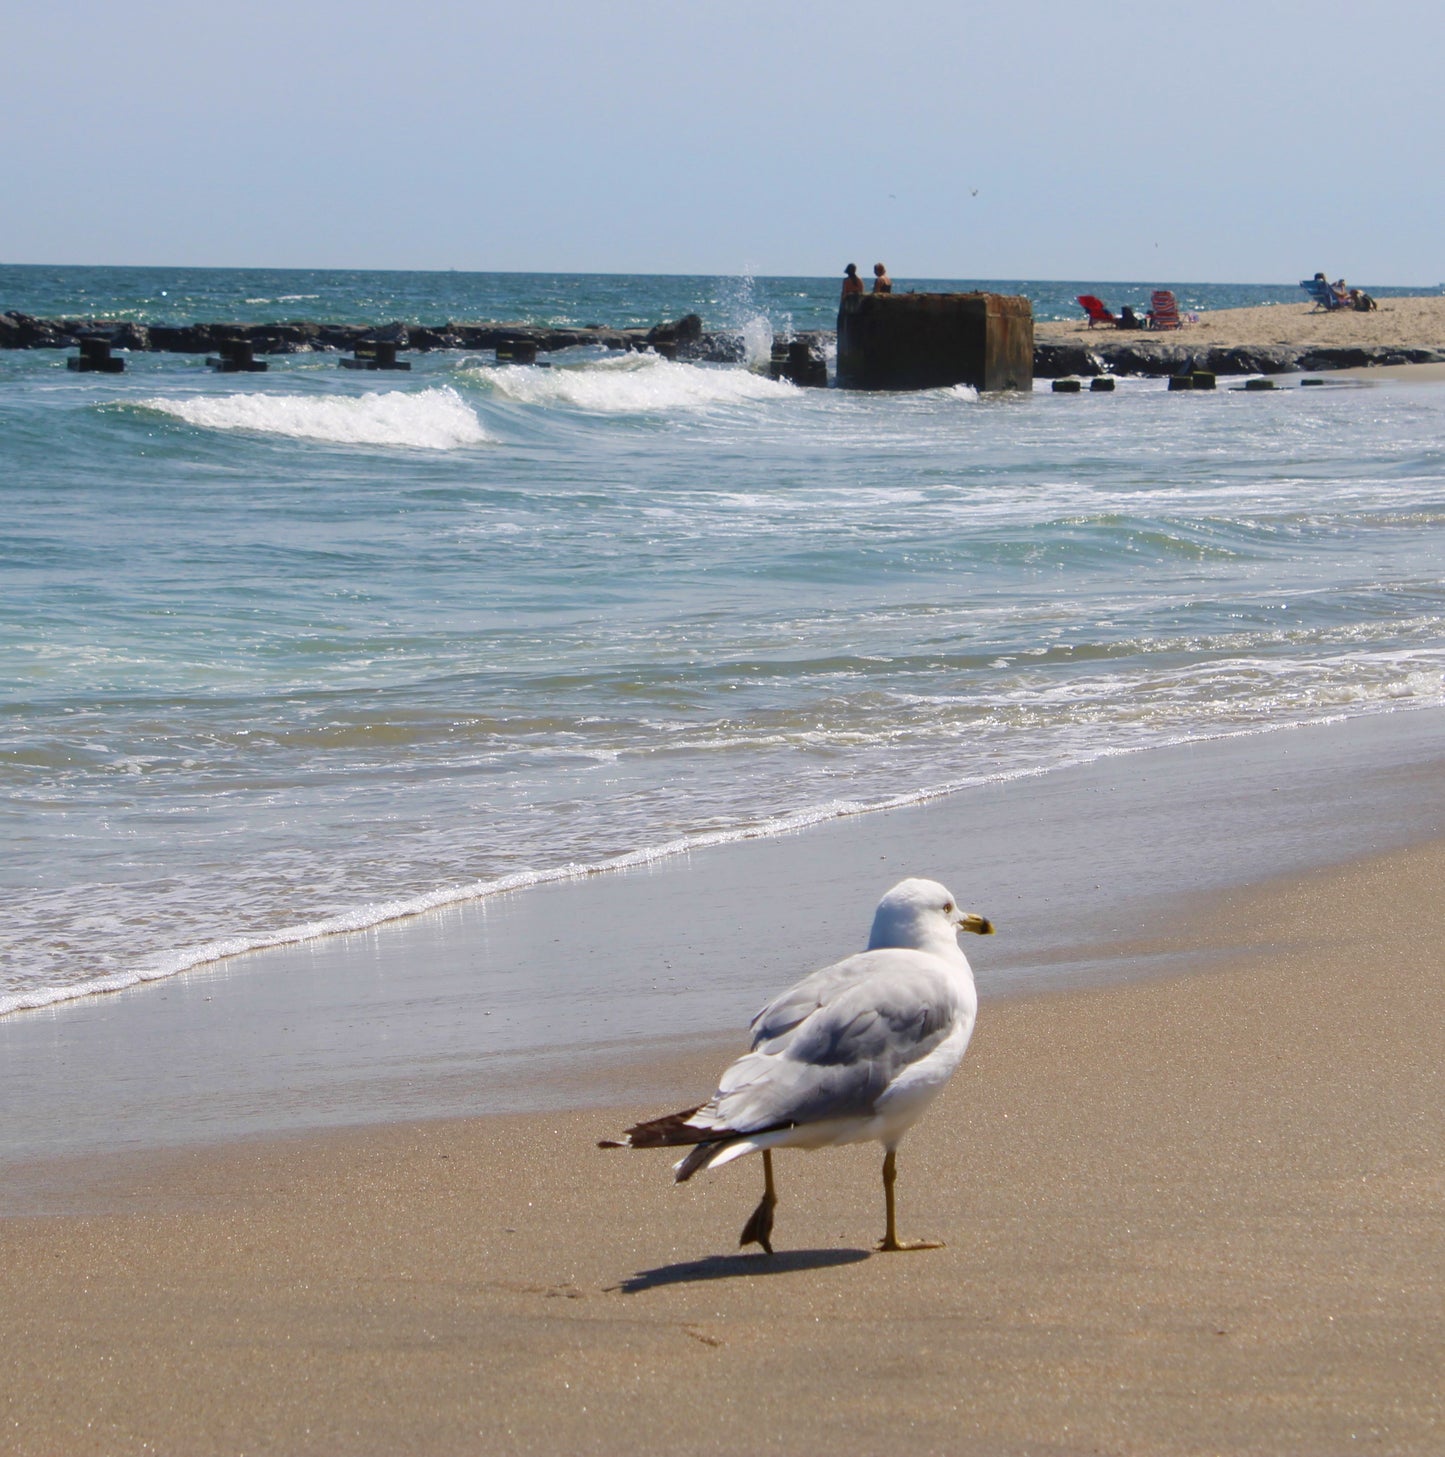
759 1228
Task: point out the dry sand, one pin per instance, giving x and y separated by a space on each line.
1405 323
1198 1215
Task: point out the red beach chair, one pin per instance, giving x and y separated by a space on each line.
1164 310
1095 309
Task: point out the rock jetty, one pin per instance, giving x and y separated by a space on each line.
680 338
1058 359
1054 357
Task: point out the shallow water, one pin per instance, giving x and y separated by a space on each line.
300 651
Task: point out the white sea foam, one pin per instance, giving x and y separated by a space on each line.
378 913
635 384
432 419
1067 752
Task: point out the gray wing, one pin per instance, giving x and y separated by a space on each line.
801 1000
830 1046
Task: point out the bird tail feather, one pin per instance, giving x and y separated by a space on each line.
715 1155
664 1132
711 1146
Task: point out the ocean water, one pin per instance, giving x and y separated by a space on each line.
298 652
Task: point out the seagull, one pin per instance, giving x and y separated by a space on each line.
853 1052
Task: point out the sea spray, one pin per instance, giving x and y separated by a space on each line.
745 315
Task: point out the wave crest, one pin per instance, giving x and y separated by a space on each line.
431 419
635 384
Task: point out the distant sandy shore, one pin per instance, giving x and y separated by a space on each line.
1199 1214
1405 323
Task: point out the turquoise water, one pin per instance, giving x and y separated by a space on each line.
287 653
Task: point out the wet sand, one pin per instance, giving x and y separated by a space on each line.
1186 1214
550 997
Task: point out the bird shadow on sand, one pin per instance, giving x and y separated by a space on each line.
732 1267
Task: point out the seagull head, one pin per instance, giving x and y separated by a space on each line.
919 915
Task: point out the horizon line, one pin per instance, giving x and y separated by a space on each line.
1089 280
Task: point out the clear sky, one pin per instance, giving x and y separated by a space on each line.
1222 141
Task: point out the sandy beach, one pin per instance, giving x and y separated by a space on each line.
1406 323
1191 1213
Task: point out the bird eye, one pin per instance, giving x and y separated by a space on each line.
947 908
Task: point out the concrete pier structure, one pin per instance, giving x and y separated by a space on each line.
924 341
95 358
236 356
378 354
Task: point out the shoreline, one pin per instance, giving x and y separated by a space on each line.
1185 1215
517 1001
383 916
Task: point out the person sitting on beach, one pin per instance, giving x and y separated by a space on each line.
1361 302
881 281
1331 295
851 282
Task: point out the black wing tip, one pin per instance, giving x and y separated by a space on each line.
666 1132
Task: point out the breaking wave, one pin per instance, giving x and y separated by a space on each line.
432 419
635 384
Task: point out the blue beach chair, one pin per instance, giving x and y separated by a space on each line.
1323 294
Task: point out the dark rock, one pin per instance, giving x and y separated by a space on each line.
720 349
185 338
341 336
28 332
1058 360
424 338
1251 360
686 330
1143 356
1313 359
130 336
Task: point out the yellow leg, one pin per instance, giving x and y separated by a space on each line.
890 1240
759 1228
